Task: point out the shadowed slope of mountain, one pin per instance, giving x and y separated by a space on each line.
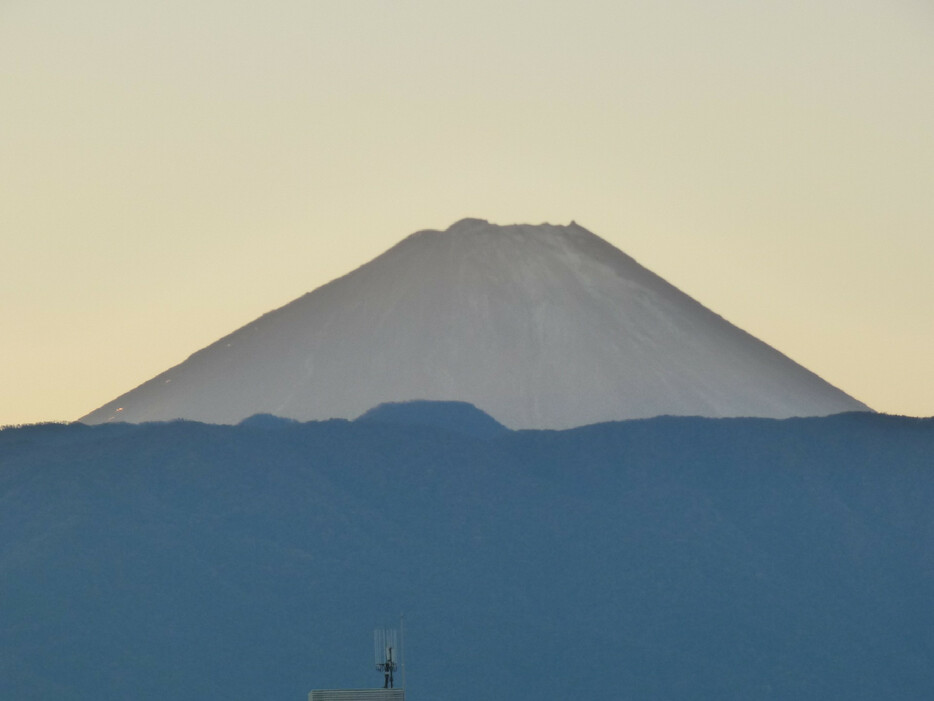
676 558
540 326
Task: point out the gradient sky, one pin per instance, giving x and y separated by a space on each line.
171 170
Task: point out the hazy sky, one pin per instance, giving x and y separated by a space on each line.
171 170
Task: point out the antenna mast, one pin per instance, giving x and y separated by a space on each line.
402 645
384 648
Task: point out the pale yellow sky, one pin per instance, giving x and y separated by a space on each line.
170 171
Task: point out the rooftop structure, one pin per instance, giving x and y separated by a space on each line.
357 695
389 659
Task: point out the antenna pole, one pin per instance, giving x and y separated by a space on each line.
402 646
386 649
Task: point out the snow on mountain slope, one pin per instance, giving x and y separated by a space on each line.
540 326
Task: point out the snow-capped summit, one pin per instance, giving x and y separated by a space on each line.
539 326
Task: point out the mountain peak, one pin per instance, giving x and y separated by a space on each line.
541 326
469 223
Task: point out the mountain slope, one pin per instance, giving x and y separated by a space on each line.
539 326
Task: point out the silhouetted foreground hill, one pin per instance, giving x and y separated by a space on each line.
670 558
459 417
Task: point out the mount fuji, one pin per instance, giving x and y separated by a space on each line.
540 326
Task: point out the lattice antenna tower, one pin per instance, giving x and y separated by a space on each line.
386 653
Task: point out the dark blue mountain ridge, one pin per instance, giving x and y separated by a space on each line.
459 417
667 558
267 421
